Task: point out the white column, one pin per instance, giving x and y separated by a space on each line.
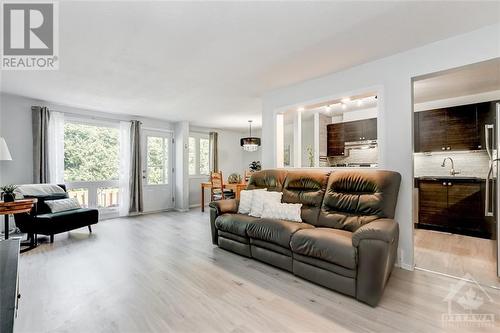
316 139
279 140
297 140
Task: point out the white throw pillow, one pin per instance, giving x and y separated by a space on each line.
62 205
246 200
282 211
259 198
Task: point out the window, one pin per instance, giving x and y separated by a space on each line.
92 162
90 152
157 160
199 152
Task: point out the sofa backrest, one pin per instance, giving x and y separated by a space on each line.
41 206
354 198
308 188
272 179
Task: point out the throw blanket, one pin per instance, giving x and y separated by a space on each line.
34 190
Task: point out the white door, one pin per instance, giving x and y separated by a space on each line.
157 170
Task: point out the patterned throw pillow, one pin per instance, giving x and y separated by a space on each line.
282 211
246 200
259 198
62 205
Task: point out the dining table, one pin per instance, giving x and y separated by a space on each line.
235 187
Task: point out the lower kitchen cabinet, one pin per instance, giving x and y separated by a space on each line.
455 206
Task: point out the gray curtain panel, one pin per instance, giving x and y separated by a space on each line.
214 151
136 196
40 125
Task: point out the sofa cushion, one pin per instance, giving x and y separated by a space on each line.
271 179
307 188
275 231
354 198
331 245
235 223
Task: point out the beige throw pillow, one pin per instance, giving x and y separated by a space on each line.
282 211
246 200
259 198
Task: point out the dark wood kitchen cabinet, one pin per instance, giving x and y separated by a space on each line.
433 202
335 139
353 131
453 128
455 206
370 129
462 131
430 130
340 133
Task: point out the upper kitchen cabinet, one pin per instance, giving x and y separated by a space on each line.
336 140
340 133
462 132
353 131
453 128
370 129
430 130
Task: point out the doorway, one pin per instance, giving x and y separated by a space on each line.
456 130
157 170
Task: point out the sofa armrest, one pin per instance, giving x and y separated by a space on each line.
377 245
218 208
225 206
382 229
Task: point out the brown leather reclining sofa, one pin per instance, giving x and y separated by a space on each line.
348 238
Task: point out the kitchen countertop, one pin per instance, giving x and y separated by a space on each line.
453 178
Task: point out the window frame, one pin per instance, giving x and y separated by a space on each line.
197 136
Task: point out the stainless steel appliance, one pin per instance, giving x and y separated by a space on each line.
492 197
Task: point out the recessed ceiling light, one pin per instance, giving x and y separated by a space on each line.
345 100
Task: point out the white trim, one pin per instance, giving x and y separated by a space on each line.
157 129
457 101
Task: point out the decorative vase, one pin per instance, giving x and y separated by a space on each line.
8 197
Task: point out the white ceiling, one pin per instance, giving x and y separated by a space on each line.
469 80
209 62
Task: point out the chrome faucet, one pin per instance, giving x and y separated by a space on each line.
452 170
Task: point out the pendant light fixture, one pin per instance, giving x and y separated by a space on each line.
250 143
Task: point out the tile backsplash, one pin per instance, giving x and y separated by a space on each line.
469 163
357 156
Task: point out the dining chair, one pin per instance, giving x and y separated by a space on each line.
217 191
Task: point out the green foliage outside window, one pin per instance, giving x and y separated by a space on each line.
91 153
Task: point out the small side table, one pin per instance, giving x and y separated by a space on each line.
15 207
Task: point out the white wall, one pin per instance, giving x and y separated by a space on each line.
232 159
392 78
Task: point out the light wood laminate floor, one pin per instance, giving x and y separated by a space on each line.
160 273
457 255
